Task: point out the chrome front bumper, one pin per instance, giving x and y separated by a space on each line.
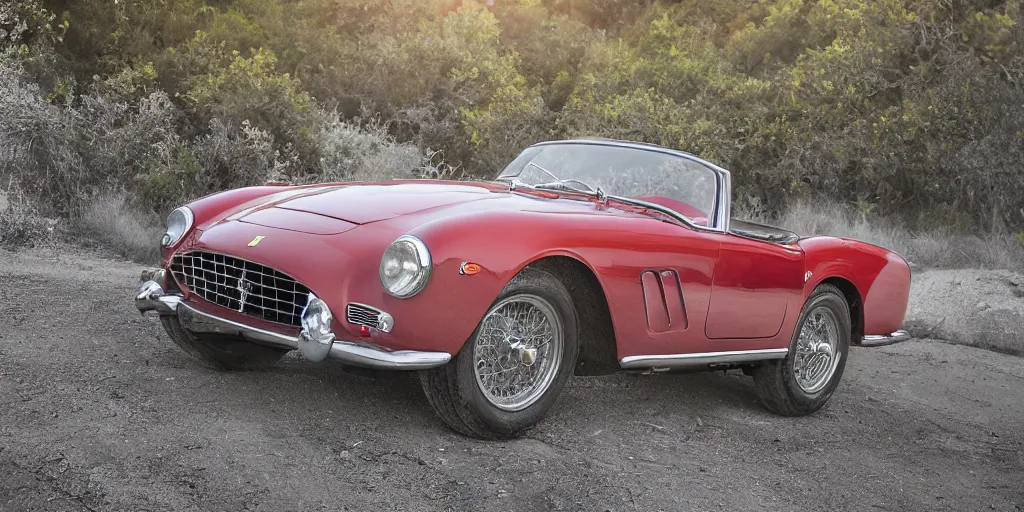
152 297
878 340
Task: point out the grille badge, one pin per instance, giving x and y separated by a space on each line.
243 291
256 241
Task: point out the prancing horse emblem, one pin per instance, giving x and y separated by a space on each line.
256 241
243 291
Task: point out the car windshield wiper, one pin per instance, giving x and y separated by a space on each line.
514 181
668 212
557 184
566 185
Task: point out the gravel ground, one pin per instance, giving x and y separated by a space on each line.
99 411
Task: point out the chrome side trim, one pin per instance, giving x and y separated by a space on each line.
875 340
702 358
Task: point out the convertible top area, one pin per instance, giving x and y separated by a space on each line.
762 232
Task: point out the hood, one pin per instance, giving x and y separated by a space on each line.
334 209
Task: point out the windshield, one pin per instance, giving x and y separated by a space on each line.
679 183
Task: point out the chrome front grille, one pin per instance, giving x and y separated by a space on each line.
358 314
244 286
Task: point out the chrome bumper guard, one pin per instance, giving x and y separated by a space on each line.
876 340
314 344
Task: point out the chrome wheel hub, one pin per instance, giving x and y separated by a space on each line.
518 351
817 350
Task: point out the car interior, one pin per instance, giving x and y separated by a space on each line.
746 229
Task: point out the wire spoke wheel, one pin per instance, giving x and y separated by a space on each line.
511 370
806 379
518 351
817 354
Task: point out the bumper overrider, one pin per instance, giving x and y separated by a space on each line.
315 341
882 340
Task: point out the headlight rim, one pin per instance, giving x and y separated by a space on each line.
423 260
190 220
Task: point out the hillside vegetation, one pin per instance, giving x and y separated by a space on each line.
909 111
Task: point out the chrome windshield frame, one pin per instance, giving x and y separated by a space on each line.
720 213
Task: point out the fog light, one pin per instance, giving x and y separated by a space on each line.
316 337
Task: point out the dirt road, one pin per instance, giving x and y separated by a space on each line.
99 411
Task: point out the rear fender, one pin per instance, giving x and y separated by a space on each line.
881 277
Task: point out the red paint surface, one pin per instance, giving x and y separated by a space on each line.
882 278
755 284
292 220
737 293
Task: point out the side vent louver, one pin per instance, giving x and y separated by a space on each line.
663 300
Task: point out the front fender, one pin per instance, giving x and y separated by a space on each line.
445 314
214 207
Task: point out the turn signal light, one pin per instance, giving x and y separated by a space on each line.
468 269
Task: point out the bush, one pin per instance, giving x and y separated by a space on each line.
116 163
369 153
22 225
39 141
251 90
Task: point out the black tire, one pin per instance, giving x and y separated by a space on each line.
452 389
222 352
775 381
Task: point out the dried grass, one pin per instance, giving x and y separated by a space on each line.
111 221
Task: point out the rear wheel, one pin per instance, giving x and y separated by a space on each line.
510 372
805 380
222 352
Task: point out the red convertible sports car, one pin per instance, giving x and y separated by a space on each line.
581 257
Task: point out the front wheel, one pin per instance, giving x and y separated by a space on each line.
509 373
805 380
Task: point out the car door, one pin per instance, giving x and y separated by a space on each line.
754 285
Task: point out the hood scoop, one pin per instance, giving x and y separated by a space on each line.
302 222
361 204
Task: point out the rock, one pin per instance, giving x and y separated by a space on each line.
962 306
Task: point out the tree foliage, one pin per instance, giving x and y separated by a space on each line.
911 108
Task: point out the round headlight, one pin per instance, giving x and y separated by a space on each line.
405 267
178 223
